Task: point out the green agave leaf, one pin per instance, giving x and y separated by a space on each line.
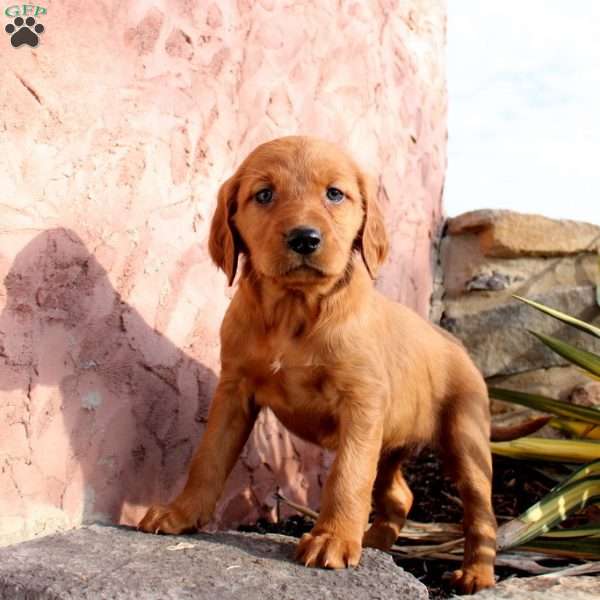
549 511
561 316
576 428
546 510
585 548
586 531
555 407
587 360
534 448
590 470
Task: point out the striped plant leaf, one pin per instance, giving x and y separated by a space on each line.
587 360
584 548
586 531
531 530
549 511
576 428
541 403
534 448
561 316
590 470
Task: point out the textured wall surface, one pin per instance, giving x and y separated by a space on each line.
115 133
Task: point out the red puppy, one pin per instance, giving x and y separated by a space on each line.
308 336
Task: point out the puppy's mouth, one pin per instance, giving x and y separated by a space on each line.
304 269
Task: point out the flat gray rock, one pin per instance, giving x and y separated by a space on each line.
99 562
498 339
543 588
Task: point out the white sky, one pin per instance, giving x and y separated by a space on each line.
524 107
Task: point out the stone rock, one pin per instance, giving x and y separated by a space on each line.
497 337
467 269
542 588
587 394
507 234
108 562
553 382
488 256
116 134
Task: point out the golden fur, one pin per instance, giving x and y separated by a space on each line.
339 364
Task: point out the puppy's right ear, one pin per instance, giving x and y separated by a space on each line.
223 242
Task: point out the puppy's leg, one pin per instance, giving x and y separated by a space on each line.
465 440
230 422
392 500
336 539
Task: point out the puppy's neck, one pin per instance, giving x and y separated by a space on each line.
302 309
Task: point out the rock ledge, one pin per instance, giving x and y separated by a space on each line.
112 562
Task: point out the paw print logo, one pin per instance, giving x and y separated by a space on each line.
24 32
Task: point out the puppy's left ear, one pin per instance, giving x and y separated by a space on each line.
372 240
223 242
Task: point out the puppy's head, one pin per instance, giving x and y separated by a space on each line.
297 207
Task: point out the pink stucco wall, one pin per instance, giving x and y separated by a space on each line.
115 133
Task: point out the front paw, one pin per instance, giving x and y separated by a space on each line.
328 551
167 519
473 579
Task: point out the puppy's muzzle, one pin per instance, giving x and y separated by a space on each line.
304 240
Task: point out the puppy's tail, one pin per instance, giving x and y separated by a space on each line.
505 434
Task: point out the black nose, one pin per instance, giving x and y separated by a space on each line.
304 240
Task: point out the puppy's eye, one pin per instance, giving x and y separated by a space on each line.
334 195
264 196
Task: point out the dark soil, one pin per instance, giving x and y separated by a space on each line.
516 486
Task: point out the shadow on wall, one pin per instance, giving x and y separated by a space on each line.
76 359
